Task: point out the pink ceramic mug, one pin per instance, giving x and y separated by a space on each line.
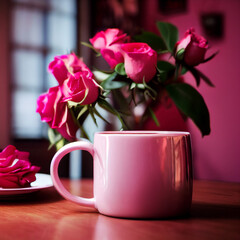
137 174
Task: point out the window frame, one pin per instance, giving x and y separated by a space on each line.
37 147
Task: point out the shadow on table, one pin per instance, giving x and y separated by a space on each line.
214 211
38 197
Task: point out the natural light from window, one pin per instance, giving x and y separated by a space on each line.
41 29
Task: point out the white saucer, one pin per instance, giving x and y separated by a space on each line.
43 181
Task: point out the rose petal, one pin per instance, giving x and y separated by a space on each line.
16 170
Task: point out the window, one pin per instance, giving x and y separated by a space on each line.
41 29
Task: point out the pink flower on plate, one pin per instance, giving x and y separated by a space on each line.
109 43
55 112
194 47
15 169
140 61
80 88
62 66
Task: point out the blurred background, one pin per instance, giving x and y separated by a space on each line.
32 32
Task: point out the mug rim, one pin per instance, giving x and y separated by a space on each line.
148 133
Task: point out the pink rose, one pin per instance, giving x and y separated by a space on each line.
194 47
55 112
15 169
75 79
80 88
140 61
62 66
109 43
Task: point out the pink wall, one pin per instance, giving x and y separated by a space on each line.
216 157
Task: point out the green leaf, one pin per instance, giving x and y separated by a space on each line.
165 69
180 68
60 144
120 69
110 84
204 78
169 33
92 115
99 115
86 44
54 138
199 75
153 40
180 54
108 107
195 75
140 86
211 57
191 103
53 135
101 75
153 116
151 91
72 104
176 71
82 111
184 70
133 85
165 66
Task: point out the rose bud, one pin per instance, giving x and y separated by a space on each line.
191 49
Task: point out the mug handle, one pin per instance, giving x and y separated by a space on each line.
79 145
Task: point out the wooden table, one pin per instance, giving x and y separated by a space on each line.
45 215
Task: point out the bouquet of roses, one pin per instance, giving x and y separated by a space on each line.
138 75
